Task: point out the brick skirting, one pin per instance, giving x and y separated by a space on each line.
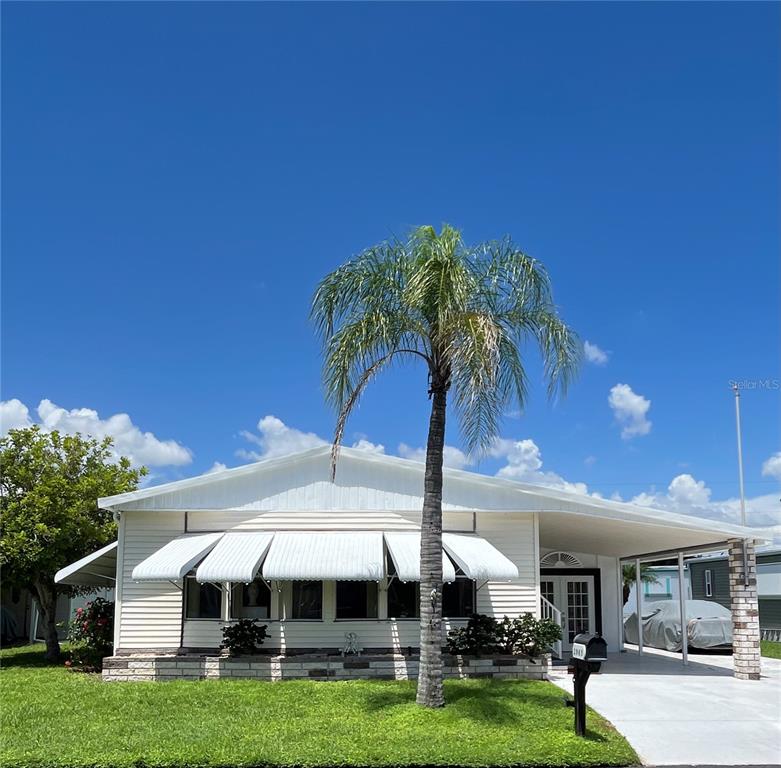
271 668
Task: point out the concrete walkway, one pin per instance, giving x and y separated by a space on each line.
700 714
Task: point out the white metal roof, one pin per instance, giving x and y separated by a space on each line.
96 569
236 557
478 558
343 555
404 549
176 558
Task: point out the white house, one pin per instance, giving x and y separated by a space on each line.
316 559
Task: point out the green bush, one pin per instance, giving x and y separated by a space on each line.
91 635
524 636
243 637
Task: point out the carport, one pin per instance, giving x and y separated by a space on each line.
613 533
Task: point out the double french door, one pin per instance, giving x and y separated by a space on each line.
574 597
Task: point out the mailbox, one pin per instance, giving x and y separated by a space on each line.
588 653
590 648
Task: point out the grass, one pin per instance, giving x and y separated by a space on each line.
770 648
52 717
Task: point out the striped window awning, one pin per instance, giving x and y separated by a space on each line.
318 555
237 558
404 551
342 556
175 559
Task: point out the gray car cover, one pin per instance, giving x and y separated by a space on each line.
708 625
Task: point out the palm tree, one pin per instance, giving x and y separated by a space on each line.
465 313
647 576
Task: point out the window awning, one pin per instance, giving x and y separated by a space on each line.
98 569
175 559
237 558
316 555
404 549
478 559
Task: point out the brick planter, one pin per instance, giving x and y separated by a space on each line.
314 667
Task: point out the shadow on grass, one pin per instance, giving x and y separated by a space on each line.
491 701
27 656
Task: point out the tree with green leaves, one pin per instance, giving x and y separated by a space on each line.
628 571
49 486
466 313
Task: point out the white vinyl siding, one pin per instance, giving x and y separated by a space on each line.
150 613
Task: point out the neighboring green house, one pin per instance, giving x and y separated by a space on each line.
709 580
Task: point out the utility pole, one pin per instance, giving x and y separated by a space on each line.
736 390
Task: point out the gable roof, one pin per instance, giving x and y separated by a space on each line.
370 481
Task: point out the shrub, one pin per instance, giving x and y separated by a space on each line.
524 636
480 635
91 635
243 637
528 636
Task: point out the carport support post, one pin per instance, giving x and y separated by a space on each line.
682 601
639 601
745 609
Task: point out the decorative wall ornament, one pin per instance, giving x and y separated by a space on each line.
559 560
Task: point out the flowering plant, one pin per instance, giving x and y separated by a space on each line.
91 635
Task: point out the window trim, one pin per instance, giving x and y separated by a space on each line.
708 574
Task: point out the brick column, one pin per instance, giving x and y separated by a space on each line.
745 610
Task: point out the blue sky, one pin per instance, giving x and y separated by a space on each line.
177 178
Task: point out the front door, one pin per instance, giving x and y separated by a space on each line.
574 597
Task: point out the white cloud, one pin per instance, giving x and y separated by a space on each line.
218 466
452 457
630 411
362 444
140 447
687 496
275 438
14 414
590 461
772 466
594 354
524 463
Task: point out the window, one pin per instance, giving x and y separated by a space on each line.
201 601
403 599
356 599
458 598
307 600
251 601
708 583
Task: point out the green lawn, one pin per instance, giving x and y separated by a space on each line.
770 649
52 717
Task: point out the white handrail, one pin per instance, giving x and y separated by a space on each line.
549 611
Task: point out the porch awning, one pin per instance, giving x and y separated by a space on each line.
478 559
316 555
404 549
237 558
98 569
175 559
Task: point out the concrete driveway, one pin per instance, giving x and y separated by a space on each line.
700 714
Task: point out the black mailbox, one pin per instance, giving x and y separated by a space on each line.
590 648
588 653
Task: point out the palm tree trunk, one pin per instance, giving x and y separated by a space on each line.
430 693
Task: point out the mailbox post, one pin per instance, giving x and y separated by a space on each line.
588 653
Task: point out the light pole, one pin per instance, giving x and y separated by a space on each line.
736 390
